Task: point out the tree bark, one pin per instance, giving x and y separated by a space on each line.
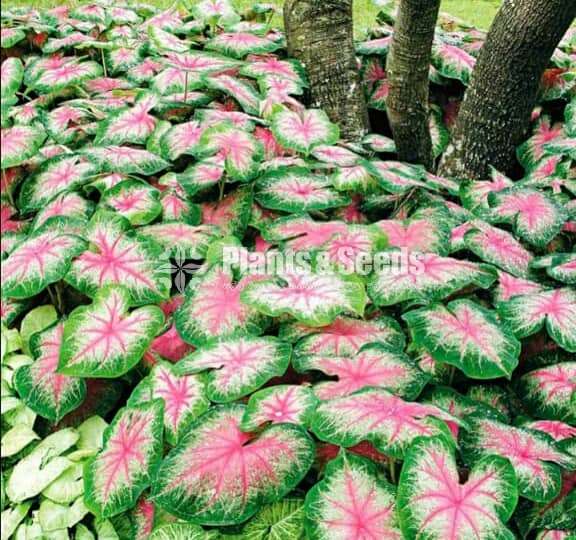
407 69
320 34
495 113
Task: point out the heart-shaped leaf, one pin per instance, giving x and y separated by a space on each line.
547 391
534 456
453 62
466 335
351 502
20 143
378 416
556 309
212 308
434 504
11 74
137 201
425 277
45 391
218 475
240 44
279 404
115 478
42 258
104 339
125 160
237 366
183 398
374 365
305 130
312 299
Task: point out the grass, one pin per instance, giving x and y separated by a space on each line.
477 12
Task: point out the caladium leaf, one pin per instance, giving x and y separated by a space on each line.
179 530
42 258
302 233
559 431
183 398
237 366
297 190
231 214
475 194
532 151
125 160
352 502
19 143
45 391
129 125
537 218
265 66
278 405
374 365
466 335
56 175
105 339
181 139
434 504
422 235
346 336
243 93
165 41
241 44
115 478
137 201
122 59
509 286
181 239
303 131
69 205
203 175
547 391
117 257
313 299
358 178
379 143
559 266
375 415
398 178
10 37
534 456
143 517
218 475
556 309
241 151
68 74
425 277
212 308
453 62
498 247
11 74
201 62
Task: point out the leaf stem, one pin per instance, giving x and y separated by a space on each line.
392 469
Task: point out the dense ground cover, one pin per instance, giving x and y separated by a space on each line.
149 390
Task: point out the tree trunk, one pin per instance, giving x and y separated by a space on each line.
320 34
407 69
495 113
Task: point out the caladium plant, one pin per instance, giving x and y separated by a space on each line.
171 371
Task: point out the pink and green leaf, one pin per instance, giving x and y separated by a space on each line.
105 339
305 130
535 458
127 464
121 258
125 160
235 367
279 404
425 278
177 238
137 201
313 299
241 44
453 62
352 502
433 503
387 421
248 98
45 391
183 397
375 365
11 75
559 266
466 335
20 143
218 475
212 308
555 309
41 259
297 190
181 139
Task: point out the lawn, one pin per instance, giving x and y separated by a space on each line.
477 12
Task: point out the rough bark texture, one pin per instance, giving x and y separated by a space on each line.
495 113
320 34
407 68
